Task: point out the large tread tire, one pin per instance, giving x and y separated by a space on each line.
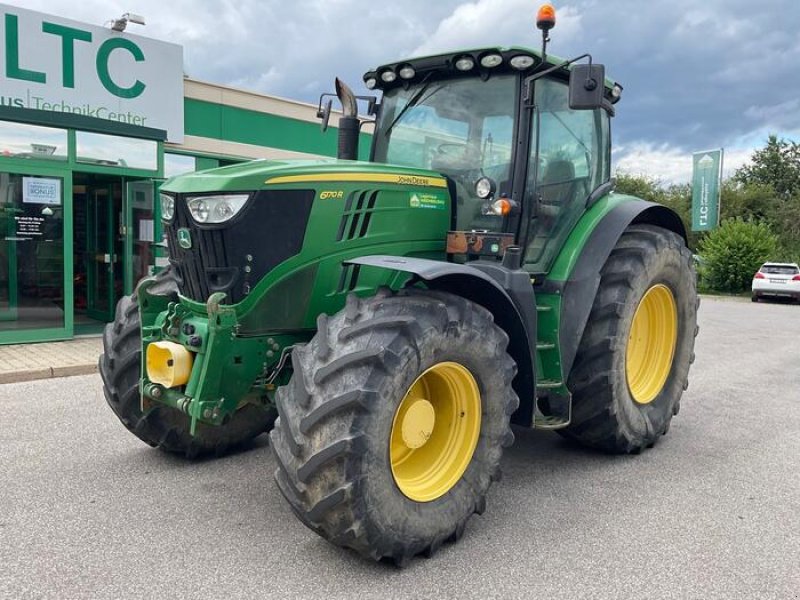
162 426
331 440
604 414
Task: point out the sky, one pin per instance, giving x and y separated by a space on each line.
697 74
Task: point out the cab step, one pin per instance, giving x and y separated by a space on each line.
548 384
549 422
552 412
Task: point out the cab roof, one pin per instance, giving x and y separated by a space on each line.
388 75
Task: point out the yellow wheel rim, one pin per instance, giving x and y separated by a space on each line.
651 344
435 431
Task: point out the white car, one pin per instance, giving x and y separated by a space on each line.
777 279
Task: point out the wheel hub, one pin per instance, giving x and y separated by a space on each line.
435 431
418 423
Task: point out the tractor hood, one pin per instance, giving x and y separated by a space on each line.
261 174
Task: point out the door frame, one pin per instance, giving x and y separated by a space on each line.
128 225
93 310
17 336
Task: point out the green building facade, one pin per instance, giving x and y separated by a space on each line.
79 178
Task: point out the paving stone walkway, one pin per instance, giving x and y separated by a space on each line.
26 362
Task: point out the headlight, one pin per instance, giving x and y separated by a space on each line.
216 209
484 188
167 207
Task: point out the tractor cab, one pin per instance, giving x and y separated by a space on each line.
520 158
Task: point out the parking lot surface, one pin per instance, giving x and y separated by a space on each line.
713 511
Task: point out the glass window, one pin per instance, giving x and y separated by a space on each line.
19 140
115 151
177 164
31 252
569 159
779 270
463 128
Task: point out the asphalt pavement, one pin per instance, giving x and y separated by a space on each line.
713 511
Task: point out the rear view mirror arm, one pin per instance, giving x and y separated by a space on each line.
529 80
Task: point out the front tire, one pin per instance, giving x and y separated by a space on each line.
633 361
162 426
380 444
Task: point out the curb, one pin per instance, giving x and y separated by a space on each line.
724 298
48 373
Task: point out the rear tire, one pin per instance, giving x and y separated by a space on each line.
162 426
605 413
338 413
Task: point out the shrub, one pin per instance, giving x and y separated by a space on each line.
734 252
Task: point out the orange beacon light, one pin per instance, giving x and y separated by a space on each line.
546 17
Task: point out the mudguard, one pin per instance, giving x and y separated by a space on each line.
506 293
578 292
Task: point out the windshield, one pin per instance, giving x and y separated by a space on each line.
463 128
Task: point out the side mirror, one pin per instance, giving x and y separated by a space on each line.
325 115
586 86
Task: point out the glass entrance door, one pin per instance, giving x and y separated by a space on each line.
100 256
35 236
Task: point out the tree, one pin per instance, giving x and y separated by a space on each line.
735 251
751 202
787 225
676 197
641 186
777 165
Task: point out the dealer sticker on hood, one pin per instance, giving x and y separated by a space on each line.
418 200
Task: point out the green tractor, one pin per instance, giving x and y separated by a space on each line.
389 319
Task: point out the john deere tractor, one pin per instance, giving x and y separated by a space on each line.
398 314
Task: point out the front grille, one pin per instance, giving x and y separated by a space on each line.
208 251
232 257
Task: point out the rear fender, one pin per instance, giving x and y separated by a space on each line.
579 290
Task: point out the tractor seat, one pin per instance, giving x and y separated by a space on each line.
556 188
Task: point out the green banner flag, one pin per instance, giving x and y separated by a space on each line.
706 180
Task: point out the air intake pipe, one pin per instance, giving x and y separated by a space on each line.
349 123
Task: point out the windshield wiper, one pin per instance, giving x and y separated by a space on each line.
411 103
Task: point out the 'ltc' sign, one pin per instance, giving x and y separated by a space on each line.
706 179
54 64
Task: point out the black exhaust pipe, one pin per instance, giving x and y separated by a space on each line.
349 123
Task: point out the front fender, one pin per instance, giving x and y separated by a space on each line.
507 294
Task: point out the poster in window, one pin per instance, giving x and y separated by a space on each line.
41 190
